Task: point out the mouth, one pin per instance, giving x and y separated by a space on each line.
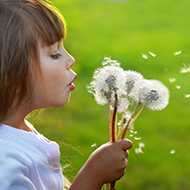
71 85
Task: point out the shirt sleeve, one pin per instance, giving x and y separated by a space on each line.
14 173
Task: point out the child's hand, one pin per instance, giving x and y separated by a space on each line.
105 165
109 161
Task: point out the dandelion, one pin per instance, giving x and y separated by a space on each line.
106 82
153 55
131 78
119 89
152 93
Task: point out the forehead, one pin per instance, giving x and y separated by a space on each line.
44 45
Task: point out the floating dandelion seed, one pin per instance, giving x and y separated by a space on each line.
139 149
172 151
178 52
178 87
131 78
187 95
153 55
172 80
137 138
185 69
144 56
141 145
94 145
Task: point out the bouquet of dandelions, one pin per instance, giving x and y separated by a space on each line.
120 89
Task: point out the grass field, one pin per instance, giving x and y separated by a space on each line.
123 29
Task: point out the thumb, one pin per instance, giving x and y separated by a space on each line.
125 144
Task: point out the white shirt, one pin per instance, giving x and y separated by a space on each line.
28 161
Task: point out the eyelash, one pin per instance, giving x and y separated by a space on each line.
56 56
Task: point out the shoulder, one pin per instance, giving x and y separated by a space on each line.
13 164
10 153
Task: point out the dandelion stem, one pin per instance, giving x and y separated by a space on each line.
114 118
121 125
138 114
112 186
129 121
122 121
109 121
107 186
116 127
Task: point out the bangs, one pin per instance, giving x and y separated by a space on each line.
46 22
53 28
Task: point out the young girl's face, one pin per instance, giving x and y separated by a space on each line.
53 82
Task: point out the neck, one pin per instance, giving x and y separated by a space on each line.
17 120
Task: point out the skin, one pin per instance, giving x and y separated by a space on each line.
52 85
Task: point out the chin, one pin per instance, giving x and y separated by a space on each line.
63 103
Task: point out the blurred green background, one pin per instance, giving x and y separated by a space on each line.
123 30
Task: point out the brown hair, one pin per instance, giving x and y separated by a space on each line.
22 24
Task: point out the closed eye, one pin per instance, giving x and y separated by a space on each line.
56 56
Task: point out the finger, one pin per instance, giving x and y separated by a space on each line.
126 153
125 144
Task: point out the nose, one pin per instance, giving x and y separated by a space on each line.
70 61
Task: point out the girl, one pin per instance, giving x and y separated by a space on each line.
35 73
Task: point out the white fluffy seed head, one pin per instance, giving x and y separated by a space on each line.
152 93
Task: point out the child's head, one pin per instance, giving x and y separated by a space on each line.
22 24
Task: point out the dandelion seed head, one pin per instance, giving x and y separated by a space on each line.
151 93
123 104
110 81
106 81
131 78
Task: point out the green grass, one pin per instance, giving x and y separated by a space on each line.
124 30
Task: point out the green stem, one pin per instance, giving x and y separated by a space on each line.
129 121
